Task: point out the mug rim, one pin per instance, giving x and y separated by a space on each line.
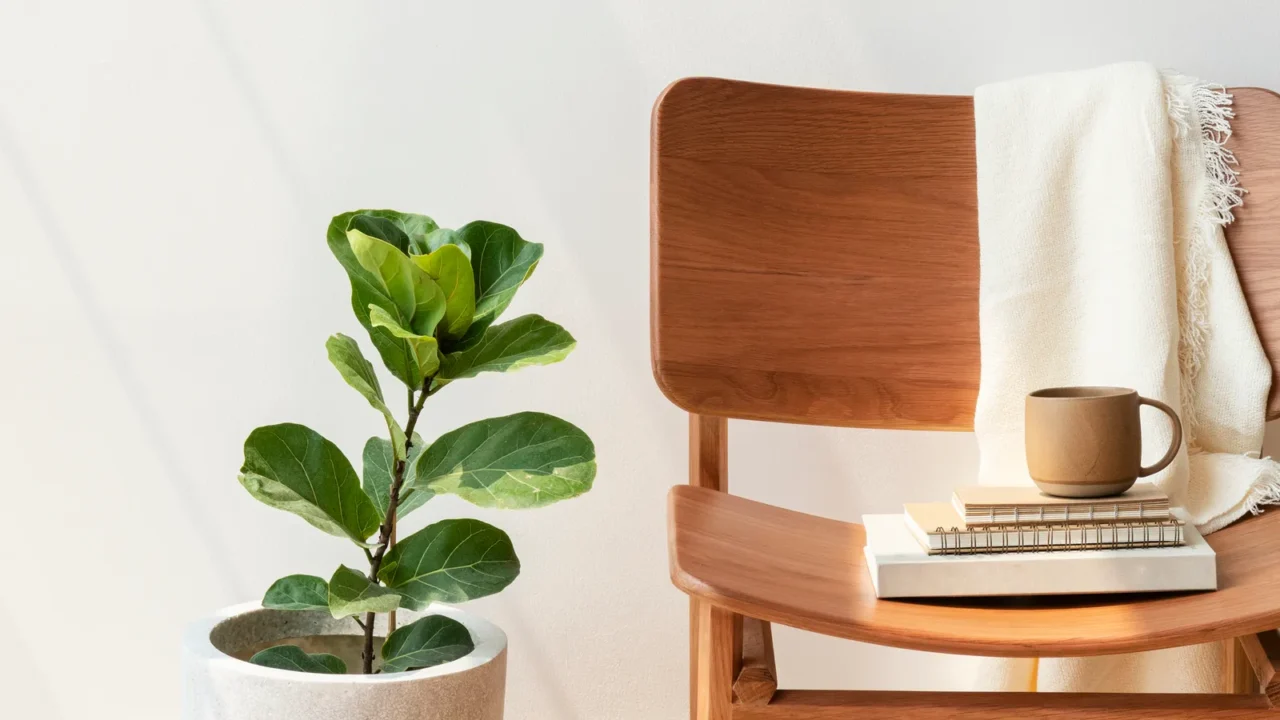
1081 392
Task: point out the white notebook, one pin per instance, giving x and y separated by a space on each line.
985 504
940 529
900 567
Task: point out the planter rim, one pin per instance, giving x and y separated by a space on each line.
489 640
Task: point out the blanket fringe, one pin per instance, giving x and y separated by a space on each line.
1265 489
1206 108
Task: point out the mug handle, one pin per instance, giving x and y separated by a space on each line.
1177 437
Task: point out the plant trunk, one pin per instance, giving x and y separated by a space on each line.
386 533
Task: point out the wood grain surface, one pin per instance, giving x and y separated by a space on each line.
815 255
716 658
1254 238
878 705
708 468
808 572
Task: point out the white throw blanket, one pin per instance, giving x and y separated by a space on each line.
1101 200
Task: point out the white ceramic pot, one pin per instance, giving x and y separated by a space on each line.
218 686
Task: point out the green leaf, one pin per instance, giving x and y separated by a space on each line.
425 349
428 641
519 461
451 270
351 593
403 230
366 290
411 500
345 355
297 592
378 468
440 237
292 467
450 561
527 340
383 229
292 657
417 303
500 261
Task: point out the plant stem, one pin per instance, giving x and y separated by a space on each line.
387 530
395 520
391 616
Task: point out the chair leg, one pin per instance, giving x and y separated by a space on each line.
757 680
709 468
694 639
713 698
1263 652
1239 676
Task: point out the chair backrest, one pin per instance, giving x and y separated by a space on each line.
815 252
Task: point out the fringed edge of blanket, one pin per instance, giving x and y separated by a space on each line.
1264 489
1206 109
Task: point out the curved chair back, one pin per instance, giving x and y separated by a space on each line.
815 252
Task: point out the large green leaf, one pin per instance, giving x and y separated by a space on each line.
379 464
345 355
428 641
366 290
351 593
423 347
411 499
297 592
519 461
293 467
500 261
417 302
450 561
527 340
383 229
451 270
404 230
292 657
440 237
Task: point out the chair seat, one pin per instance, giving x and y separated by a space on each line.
809 572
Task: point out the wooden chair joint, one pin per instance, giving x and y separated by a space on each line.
757 681
1263 651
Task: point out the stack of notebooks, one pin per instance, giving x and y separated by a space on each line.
1018 541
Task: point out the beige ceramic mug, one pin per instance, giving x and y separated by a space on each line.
1087 441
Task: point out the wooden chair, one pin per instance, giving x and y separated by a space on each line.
815 260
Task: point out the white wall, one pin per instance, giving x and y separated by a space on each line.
167 168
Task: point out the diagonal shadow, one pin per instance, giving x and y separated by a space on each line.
106 338
243 82
34 684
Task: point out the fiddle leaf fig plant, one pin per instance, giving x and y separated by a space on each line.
429 298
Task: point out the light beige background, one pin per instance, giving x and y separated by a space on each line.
167 168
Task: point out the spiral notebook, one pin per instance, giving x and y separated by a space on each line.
900 567
992 505
941 531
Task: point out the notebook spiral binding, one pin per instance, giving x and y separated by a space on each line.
1067 513
1026 538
